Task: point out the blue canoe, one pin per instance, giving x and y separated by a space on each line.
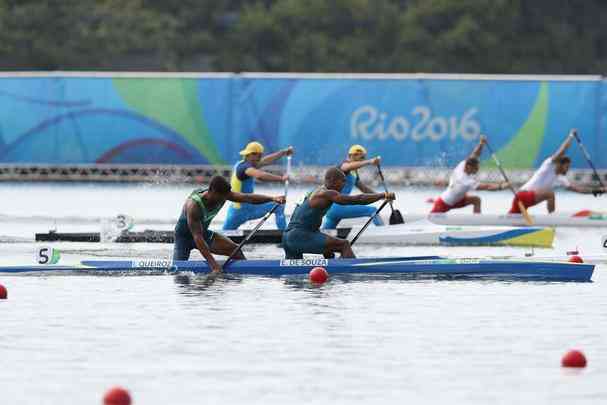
425 265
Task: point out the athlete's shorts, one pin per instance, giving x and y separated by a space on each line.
184 244
526 197
338 212
247 212
296 242
441 206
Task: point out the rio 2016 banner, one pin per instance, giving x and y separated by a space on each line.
415 120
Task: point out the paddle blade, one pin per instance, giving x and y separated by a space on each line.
396 218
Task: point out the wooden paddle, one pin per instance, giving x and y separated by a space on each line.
395 217
520 203
381 207
249 236
587 156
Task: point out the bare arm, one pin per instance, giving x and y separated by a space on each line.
355 165
193 217
492 186
358 199
476 152
563 148
440 183
263 175
254 198
363 187
586 190
272 157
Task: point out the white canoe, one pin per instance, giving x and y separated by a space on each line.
424 233
415 233
592 219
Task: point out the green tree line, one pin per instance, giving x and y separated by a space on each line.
437 36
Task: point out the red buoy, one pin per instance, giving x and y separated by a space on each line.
117 396
318 275
3 292
574 358
575 259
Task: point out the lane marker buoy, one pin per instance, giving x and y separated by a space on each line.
117 396
574 358
318 275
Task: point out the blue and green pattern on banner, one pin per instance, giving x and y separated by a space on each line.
207 120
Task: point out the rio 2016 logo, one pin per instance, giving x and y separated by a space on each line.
368 123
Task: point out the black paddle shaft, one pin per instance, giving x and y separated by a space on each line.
587 156
381 207
383 182
249 236
499 166
395 217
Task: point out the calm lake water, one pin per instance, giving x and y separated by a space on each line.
257 340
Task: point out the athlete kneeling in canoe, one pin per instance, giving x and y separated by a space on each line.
303 235
552 173
463 179
192 229
243 179
357 158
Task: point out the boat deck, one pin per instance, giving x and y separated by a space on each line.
413 266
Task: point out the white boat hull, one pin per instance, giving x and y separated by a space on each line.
430 234
553 220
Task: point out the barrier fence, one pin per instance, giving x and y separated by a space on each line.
169 174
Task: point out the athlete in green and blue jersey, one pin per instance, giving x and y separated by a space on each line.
192 229
303 234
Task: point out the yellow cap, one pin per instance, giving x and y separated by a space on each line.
357 149
252 147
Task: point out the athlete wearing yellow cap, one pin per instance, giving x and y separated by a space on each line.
244 174
357 158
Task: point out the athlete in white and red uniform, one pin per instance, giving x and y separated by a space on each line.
552 173
464 179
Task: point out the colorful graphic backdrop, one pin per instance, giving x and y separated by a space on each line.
409 121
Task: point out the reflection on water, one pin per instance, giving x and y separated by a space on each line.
203 284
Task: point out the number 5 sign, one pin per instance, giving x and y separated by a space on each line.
47 255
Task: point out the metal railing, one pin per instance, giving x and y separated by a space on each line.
397 176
